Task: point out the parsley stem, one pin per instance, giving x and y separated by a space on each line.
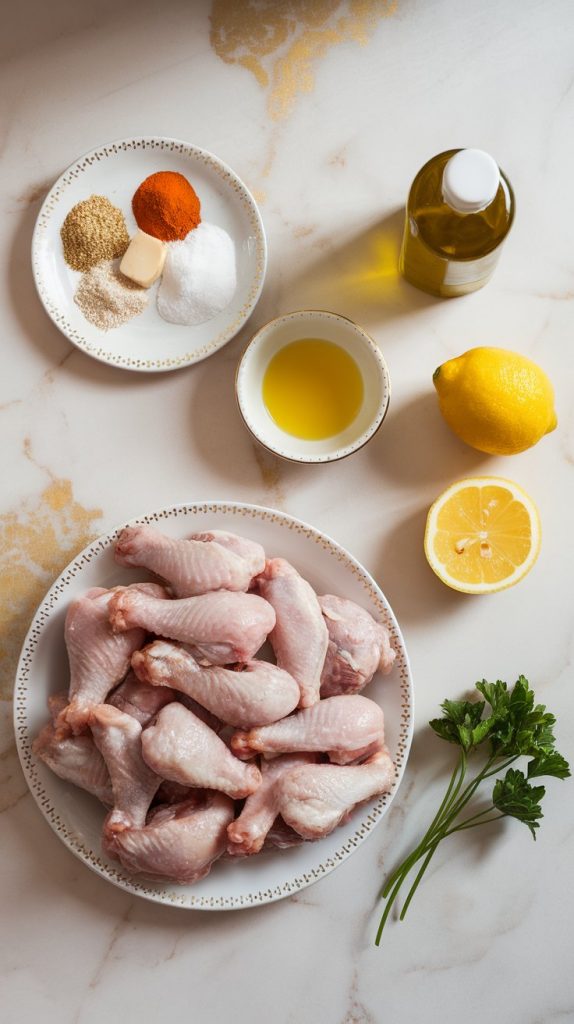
453 789
387 910
404 867
471 823
460 771
450 797
499 767
432 835
417 880
470 790
473 817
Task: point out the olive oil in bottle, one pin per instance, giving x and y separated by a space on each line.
459 211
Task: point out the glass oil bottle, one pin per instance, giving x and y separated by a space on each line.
459 211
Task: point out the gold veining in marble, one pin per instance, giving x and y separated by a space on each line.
339 159
303 230
281 42
270 468
36 541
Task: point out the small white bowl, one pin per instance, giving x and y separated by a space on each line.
312 323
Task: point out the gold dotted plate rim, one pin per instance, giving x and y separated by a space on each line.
163 362
350 836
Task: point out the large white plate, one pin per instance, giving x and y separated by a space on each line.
77 817
147 342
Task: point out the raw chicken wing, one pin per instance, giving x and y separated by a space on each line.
180 747
347 728
98 659
140 701
249 550
300 637
282 836
358 647
75 759
56 704
179 843
118 737
247 834
259 694
214 561
200 712
221 627
314 799
174 793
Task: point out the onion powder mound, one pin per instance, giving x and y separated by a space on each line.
93 231
199 277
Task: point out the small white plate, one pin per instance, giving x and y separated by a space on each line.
312 323
147 342
77 818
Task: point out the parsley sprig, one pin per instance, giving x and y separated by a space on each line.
515 727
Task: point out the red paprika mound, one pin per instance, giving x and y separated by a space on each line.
166 206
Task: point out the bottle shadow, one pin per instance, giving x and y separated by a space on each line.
360 278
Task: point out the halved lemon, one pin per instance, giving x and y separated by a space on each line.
482 535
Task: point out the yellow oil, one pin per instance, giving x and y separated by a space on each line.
445 252
312 389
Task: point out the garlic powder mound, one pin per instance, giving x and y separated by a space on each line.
107 298
199 276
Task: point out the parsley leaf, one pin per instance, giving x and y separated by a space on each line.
513 795
548 762
463 723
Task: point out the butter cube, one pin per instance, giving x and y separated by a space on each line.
143 259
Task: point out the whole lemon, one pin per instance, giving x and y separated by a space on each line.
495 400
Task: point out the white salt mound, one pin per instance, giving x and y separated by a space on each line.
199 277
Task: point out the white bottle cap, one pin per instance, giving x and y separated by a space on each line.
470 180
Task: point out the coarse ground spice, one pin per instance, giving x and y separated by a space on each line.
93 231
107 298
166 206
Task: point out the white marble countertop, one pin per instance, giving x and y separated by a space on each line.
326 110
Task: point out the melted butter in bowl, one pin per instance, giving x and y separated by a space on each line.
312 386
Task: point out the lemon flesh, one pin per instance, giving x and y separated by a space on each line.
497 401
482 535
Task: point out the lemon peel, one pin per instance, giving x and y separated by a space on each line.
497 401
